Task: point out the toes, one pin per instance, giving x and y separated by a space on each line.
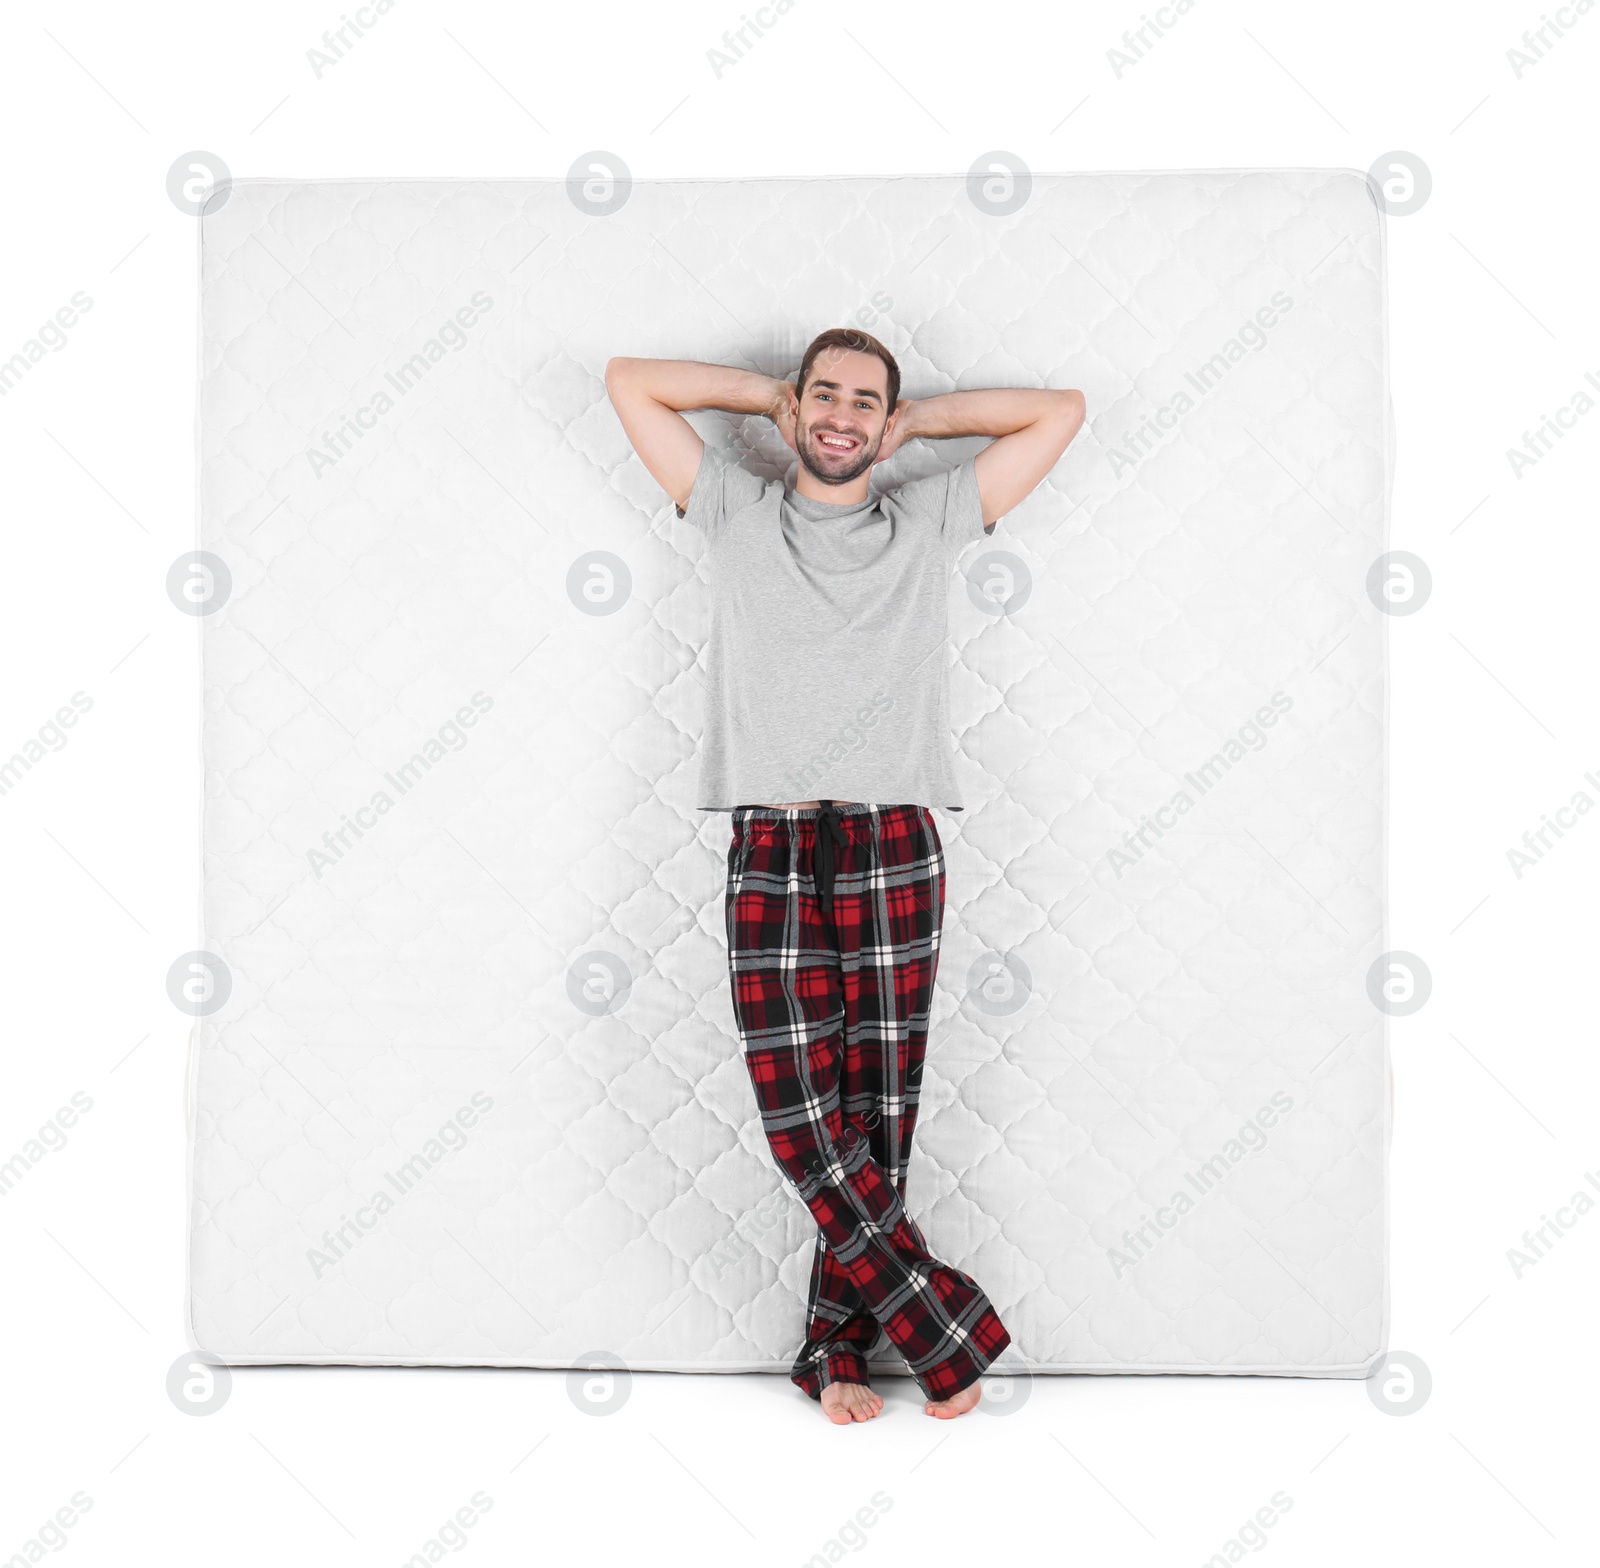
847 1402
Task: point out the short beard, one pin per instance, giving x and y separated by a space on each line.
867 457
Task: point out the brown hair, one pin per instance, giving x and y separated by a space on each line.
857 341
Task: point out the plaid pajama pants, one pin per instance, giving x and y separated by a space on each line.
833 920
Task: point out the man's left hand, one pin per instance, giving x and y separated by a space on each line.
902 430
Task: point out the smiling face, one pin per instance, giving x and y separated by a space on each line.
842 415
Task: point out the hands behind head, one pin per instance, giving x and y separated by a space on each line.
782 413
897 433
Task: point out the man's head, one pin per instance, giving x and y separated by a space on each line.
846 395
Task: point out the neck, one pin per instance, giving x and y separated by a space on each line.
813 489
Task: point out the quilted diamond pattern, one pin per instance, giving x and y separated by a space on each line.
451 855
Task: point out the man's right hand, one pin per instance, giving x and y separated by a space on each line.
783 412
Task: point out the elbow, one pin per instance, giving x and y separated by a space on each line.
1073 408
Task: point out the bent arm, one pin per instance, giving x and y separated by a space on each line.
1032 427
650 396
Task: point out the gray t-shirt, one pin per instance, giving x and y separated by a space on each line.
826 667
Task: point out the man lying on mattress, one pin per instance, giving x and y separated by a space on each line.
826 677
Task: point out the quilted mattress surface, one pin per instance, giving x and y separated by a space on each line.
464 1084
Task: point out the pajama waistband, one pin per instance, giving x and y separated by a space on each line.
826 821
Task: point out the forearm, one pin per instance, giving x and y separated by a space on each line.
682 384
990 411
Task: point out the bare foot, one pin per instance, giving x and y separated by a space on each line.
957 1404
843 1403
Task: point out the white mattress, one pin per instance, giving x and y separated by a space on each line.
526 945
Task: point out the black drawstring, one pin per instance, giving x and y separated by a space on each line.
829 833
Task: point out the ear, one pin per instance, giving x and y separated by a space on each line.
889 444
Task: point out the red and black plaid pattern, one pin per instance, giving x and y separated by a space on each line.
832 1010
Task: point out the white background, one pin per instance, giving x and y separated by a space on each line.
1492 327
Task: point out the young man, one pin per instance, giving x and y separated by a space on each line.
826 677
